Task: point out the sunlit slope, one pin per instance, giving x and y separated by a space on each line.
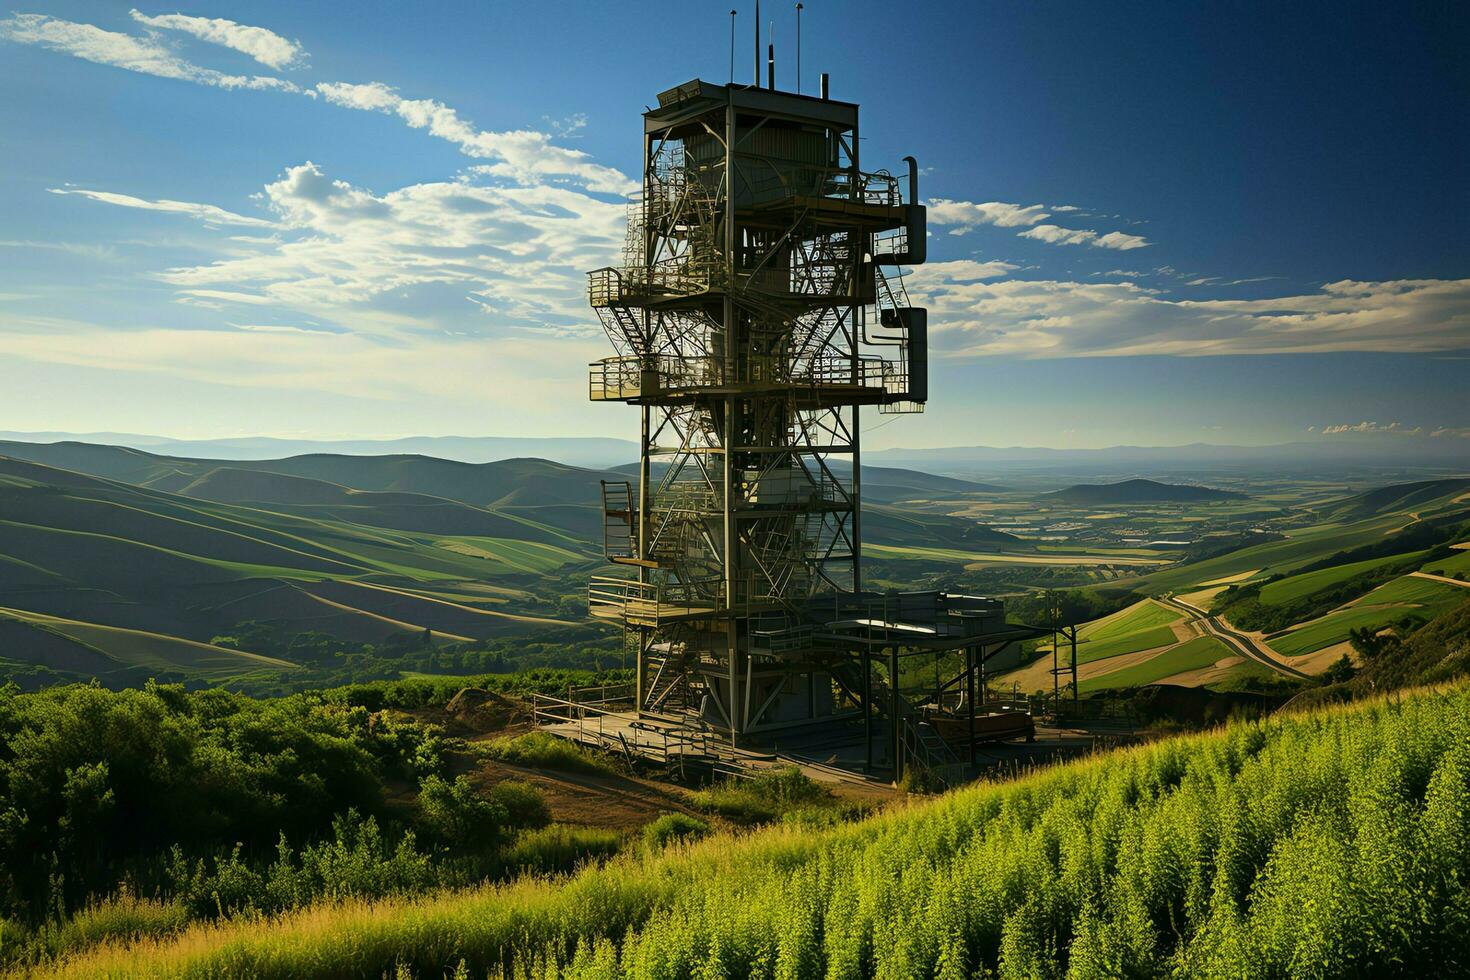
1290 847
1405 603
1355 522
98 551
101 651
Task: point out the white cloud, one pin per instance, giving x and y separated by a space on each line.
266 47
207 213
523 155
1054 235
1049 318
144 55
449 372
517 251
1373 427
968 270
1393 428
965 215
1120 241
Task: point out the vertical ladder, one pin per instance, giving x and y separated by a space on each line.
619 518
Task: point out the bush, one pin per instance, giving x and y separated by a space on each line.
356 863
1328 843
95 782
763 797
673 828
457 818
559 849
538 750
524 805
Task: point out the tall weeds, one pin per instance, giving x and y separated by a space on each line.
1325 844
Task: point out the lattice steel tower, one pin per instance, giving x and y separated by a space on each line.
758 309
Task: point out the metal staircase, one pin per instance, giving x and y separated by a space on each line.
921 744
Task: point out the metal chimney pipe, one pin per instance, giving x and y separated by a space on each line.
913 179
825 78
771 67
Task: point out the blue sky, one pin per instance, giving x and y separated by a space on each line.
1151 223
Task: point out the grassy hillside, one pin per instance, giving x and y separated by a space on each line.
1425 496
1202 651
124 560
1141 626
1408 600
1311 845
133 653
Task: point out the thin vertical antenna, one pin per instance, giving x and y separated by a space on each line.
732 47
757 43
798 49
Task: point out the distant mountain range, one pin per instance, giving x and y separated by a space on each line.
597 453
1138 492
1373 450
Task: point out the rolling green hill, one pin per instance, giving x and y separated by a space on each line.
1424 496
117 561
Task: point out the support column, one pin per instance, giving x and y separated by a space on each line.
867 659
732 644
642 531
970 694
896 720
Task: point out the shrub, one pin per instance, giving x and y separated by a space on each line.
459 819
763 797
1322 843
538 750
673 828
93 781
524 805
559 849
356 863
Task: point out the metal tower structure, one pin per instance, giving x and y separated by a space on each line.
759 307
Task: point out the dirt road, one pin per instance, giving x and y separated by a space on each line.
1238 642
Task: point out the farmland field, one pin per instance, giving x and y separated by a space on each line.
1142 626
1202 651
1295 586
1417 599
1457 564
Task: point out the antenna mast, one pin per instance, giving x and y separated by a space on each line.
798 49
757 43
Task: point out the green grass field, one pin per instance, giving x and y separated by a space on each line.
154 651
1142 626
1437 596
1302 547
1456 564
956 556
1202 651
1296 586
1304 845
1140 616
1334 628
1419 599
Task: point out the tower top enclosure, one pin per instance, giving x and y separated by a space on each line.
758 309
